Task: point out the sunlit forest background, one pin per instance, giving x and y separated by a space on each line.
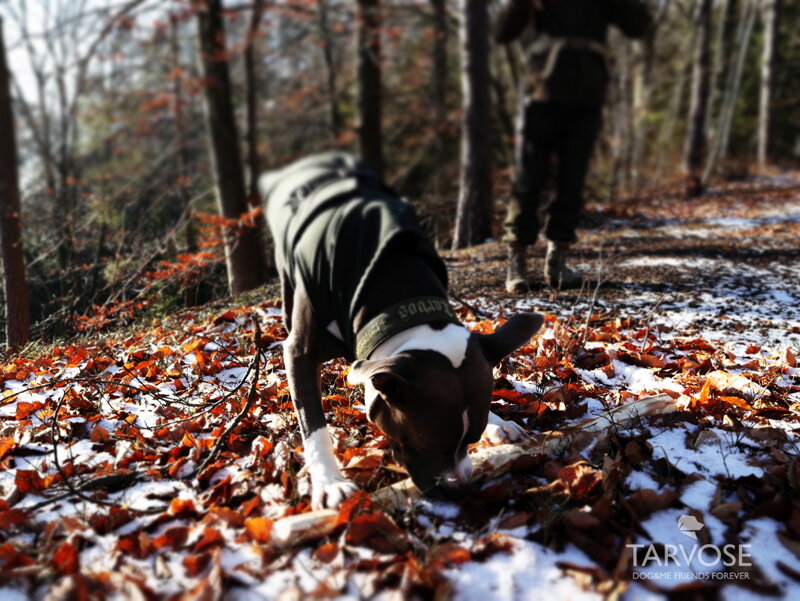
119 215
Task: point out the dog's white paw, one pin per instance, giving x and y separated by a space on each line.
330 493
500 431
328 486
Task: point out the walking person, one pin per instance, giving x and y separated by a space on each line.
561 101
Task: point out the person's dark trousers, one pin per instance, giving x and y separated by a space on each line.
545 131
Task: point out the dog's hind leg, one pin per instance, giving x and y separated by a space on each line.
287 298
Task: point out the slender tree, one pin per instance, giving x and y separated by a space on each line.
770 17
252 93
336 119
16 289
243 254
642 99
502 101
370 101
744 31
676 96
439 83
473 215
723 45
622 121
695 149
190 292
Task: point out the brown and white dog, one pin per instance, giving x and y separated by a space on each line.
361 280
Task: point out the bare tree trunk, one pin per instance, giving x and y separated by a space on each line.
190 292
253 157
503 114
439 87
16 288
251 84
63 208
770 16
473 216
725 121
180 130
695 149
642 93
667 130
336 119
370 132
243 255
621 113
723 40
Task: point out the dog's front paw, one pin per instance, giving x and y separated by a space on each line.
330 493
500 431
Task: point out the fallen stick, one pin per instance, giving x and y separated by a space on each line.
222 441
488 461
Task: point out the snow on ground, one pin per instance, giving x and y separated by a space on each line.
761 303
528 572
670 505
736 305
739 278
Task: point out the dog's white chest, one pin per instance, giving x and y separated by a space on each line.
451 341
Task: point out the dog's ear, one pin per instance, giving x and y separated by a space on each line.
387 376
510 336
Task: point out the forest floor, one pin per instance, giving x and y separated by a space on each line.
103 495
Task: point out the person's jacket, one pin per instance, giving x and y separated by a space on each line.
566 46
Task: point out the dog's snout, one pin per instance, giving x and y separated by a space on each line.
463 470
460 475
446 483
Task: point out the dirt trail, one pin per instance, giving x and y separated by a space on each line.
727 263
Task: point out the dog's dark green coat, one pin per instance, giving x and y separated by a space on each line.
333 220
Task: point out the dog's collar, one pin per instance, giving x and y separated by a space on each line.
399 317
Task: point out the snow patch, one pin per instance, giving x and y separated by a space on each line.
528 573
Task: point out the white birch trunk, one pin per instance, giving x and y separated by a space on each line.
770 12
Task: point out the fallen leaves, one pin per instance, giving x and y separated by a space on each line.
211 538
376 531
65 559
175 538
6 444
647 501
11 517
137 545
145 410
735 385
196 564
789 357
259 529
29 481
26 409
579 480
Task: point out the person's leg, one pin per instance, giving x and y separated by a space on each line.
579 127
532 157
532 168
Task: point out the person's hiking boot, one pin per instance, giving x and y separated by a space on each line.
517 273
556 272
